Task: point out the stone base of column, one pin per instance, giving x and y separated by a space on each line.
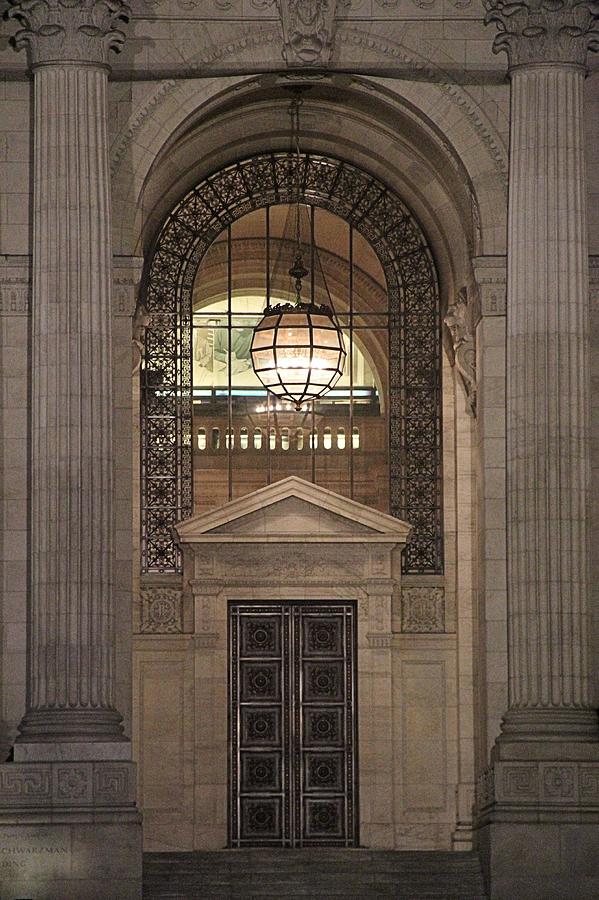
70 830
538 821
540 861
66 725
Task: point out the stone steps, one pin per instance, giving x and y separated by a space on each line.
355 874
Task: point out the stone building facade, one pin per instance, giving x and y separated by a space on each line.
444 520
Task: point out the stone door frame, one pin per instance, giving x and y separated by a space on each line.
294 541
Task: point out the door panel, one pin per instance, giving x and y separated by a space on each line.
292 773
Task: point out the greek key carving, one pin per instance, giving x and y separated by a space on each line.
589 784
161 610
423 609
60 30
520 782
30 786
112 783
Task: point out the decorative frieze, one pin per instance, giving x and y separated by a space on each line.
319 563
422 609
63 784
379 641
538 783
15 284
161 610
206 641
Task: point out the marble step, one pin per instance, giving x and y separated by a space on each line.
355 874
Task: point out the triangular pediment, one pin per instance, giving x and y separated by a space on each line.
293 509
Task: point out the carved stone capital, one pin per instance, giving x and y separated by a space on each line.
459 320
15 285
490 274
542 31
308 28
58 31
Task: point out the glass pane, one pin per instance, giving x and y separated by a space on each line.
248 263
260 437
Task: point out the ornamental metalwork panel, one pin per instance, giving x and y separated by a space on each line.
415 435
293 725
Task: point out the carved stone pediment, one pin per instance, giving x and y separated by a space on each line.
293 510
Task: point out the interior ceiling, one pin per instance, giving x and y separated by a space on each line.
394 145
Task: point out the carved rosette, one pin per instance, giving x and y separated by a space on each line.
81 31
422 610
543 31
161 611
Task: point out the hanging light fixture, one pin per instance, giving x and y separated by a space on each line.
297 348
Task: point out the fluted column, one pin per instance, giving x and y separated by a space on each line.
71 647
548 372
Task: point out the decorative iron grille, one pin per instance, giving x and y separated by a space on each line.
415 448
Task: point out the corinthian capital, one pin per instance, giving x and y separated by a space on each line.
538 31
69 30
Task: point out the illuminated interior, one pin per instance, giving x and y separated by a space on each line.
243 436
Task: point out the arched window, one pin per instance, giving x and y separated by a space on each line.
201 438
385 412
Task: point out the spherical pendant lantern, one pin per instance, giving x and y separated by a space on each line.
298 351
297 348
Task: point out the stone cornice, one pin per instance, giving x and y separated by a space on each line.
69 31
545 31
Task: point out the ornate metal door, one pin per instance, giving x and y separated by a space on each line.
293 725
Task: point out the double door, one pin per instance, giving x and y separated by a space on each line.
293 724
